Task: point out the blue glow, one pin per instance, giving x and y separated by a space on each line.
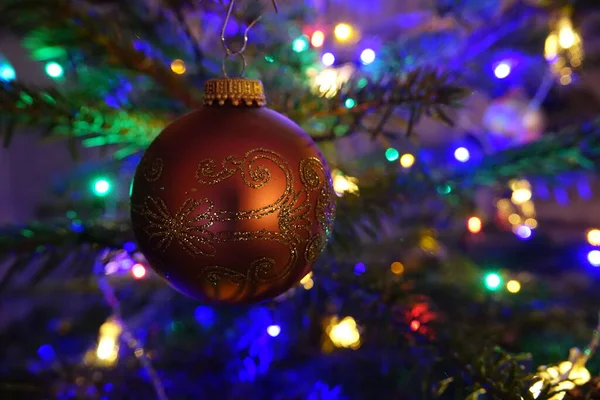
77 226
108 387
7 73
46 352
274 330
360 269
129 247
367 56
594 258
502 70
523 232
462 154
205 316
328 59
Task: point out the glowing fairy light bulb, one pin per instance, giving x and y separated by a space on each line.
178 67
492 281
328 59
593 237
274 330
343 32
520 196
344 184
317 39
513 286
344 333
407 160
107 350
367 56
566 35
502 70
474 225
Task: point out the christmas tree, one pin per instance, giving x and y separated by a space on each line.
464 148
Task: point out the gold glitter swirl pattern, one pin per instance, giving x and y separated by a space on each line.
308 173
188 230
315 246
151 170
296 213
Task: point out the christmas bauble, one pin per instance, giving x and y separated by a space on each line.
232 203
512 122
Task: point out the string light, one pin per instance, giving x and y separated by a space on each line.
367 56
474 225
307 282
392 154
300 44
317 39
594 258
502 70
54 70
274 330
138 271
328 59
344 333
178 66
397 268
107 350
520 196
350 103
513 286
343 32
566 376
7 73
593 237
407 160
462 154
523 231
101 187
344 184
492 281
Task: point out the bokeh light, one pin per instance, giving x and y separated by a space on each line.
594 258
138 271
343 32
513 286
317 39
274 330
397 268
407 160
462 154
328 59
493 281
54 70
178 66
593 237
502 70
392 154
367 56
101 187
474 225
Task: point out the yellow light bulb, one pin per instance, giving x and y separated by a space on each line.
344 333
474 225
343 32
531 222
407 160
593 237
178 66
513 286
344 184
107 349
521 196
514 219
566 36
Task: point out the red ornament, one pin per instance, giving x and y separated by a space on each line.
232 203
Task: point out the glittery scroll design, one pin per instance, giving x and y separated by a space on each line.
294 208
151 169
186 226
316 178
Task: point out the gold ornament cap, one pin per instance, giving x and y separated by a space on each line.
234 91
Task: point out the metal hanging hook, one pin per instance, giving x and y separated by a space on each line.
240 52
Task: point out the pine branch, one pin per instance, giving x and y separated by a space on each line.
134 130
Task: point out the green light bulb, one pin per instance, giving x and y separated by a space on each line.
300 44
7 73
349 103
392 154
492 281
101 187
54 70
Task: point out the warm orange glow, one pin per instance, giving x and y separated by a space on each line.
474 225
317 39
